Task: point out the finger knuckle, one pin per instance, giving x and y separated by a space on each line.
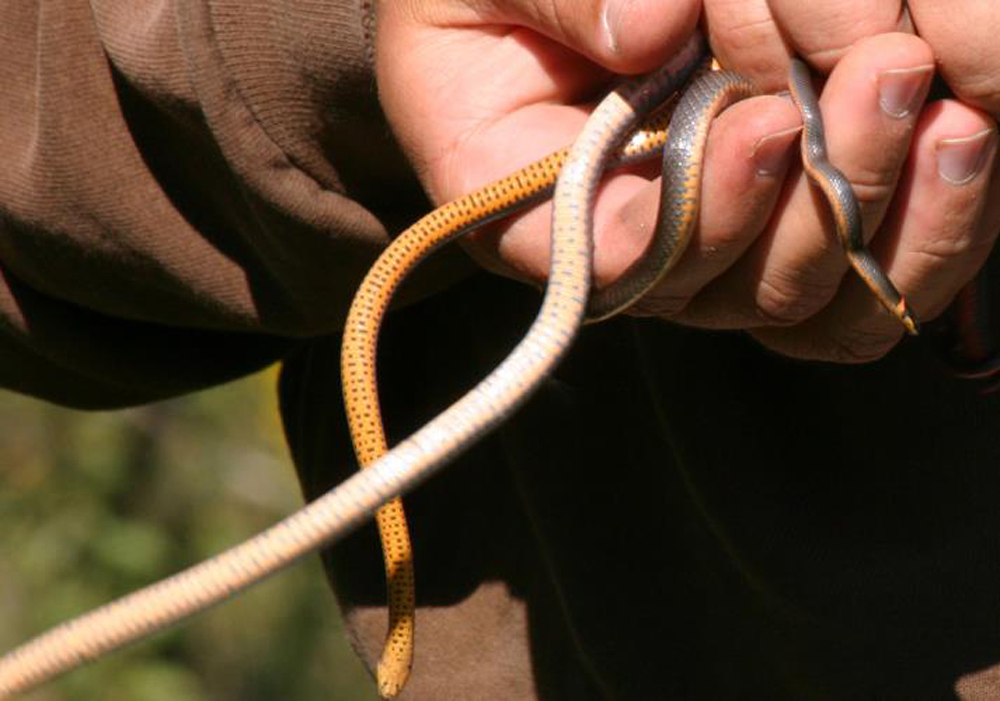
875 185
785 303
942 251
978 88
856 346
661 303
956 244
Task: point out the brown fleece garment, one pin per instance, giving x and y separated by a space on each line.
192 190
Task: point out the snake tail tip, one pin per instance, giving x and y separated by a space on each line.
907 317
388 690
391 676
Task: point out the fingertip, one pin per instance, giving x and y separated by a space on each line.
954 123
961 159
771 153
954 144
639 35
750 148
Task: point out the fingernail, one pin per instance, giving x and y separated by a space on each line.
771 153
613 19
960 160
902 90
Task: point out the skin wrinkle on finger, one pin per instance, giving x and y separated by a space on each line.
818 340
859 346
745 39
856 345
556 18
823 32
786 298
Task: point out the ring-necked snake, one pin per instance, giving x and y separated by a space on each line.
708 95
563 309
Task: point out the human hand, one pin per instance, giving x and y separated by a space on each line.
473 94
748 266
930 203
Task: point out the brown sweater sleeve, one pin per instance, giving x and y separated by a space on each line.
185 188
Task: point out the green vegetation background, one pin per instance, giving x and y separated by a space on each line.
96 504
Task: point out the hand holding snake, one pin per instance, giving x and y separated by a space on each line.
765 257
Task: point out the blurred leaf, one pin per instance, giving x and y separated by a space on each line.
160 681
132 548
95 504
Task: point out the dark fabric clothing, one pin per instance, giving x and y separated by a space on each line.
681 514
192 190
187 176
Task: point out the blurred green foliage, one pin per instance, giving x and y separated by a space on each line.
96 504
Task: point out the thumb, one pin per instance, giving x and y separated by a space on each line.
624 36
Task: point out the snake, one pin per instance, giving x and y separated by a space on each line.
489 203
681 134
843 204
565 305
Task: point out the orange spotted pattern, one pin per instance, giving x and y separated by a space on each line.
360 339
